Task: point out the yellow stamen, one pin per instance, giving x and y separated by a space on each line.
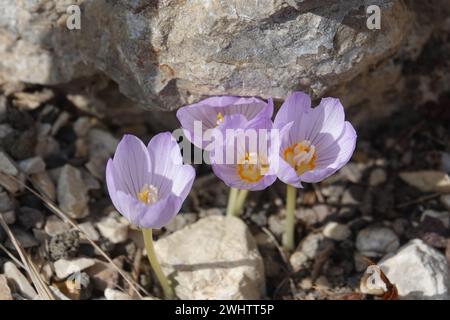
148 194
252 167
219 119
301 156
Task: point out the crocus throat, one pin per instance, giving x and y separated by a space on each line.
252 167
301 156
219 119
148 194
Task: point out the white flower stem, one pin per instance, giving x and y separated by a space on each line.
165 284
232 201
242 196
289 233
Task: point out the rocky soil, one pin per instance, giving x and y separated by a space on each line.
390 205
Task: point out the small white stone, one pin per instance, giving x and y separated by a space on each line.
5 291
64 268
55 225
18 280
336 231
72 192
113 229
111 294
90 231
419 271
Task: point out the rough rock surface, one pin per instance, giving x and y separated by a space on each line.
418 271
264 48
214 258
73 193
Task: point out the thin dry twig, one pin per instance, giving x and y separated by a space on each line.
418 200
40 285
55 209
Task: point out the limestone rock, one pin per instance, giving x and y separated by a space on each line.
418 271
214 258
169 53
113 228
336 231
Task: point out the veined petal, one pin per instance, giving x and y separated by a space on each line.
131 165
287 174
292 108
182 183
164 154
334 157
156 215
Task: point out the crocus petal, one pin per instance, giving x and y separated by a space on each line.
207 111
111 185
334 157
296 104
287 174
228 174
156 215
131 165
326 123
183 181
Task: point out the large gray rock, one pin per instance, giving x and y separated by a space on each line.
418 271
214 258
169 53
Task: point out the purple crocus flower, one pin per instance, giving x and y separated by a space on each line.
148 185
211 113
318 143
253 162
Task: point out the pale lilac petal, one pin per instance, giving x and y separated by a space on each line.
334 157
111 185
165 154
287 174
228 174
152 216
292 108
131 167
182 183
328 123
207 111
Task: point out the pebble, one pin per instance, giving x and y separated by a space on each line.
111 294
336 231
418 271
31 218
82 125
276 224
9 216
445 200
32 165
18 281
7 165
44 183
298 261
64 268
6 203
376 241
5 291
88 228
113 228
72 193
213 258
443 216
377 177
55 225
103 275
427 180
25 239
